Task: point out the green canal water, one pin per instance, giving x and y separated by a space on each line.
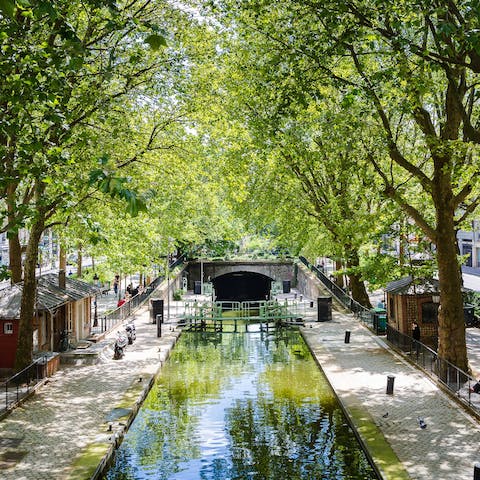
240 406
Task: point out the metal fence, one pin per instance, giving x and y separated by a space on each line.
109 321
454 379
367 316
451 377
22 383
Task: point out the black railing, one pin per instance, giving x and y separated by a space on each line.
367 316
111 320
453 378
20 385
339 293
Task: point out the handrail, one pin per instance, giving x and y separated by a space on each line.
110 320
454 379
339 293
22 383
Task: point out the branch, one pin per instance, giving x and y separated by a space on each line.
393 150
471 207
392 193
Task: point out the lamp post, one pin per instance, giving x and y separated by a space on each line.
168 279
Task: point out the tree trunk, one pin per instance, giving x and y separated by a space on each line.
15 257
339 278
451 331
27 310
79 261
14 247
357 286
62 259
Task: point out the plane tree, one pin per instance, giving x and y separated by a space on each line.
413 66
66 67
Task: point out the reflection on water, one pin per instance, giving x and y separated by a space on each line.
240 406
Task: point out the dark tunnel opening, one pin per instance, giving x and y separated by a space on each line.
242 286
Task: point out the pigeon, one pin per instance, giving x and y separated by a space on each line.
421 422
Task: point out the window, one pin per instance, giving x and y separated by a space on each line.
8 328
429 312
391 309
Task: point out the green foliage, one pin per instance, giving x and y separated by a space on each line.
379 270
5 273
177 295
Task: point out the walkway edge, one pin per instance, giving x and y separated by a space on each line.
93 460
380 453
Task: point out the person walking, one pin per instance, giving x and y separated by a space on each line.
116 282
416 334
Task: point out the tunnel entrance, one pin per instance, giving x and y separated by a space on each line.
241 286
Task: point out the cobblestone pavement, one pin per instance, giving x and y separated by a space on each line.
40 439
446 449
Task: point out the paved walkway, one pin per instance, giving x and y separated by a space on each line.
72 412
40 439
446 449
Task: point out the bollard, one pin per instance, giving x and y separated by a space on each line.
476 471
390 381
159 325
347 336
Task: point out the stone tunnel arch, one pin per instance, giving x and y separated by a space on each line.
241 286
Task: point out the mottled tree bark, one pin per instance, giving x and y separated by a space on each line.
27 309
357 285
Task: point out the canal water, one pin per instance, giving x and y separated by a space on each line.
240 406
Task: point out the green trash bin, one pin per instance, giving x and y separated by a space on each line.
379 320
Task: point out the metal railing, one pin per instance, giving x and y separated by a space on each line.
451 377
339 293
111 320
20 385
367 316
261 310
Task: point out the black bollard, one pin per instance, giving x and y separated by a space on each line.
476 471
159 325
390 381
347 336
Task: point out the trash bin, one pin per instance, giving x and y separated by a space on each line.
379 320
197 287
157 309
286 286
324 309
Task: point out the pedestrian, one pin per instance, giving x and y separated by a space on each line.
416 331
476 388
416 337
116 281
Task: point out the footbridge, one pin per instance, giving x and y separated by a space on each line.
233 316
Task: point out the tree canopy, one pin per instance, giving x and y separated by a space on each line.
317 120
